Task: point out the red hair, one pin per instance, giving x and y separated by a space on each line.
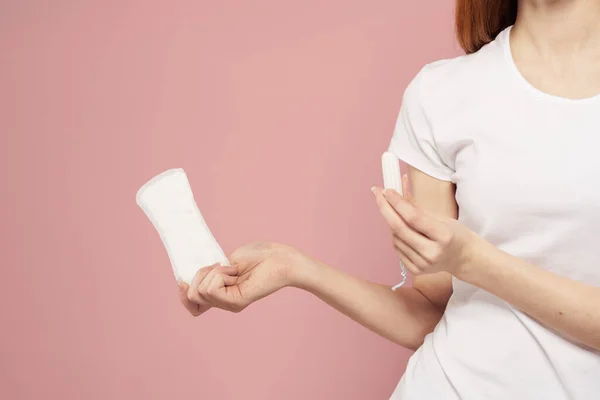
479 21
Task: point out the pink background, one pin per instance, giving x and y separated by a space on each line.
278 111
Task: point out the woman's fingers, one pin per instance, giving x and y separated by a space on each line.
229 280
404 249
230 270
203 277
415 218
203 285
414 239
216 281
212 287
192 308
206 288
221 293
193 293
409 264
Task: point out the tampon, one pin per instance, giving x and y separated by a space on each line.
168 201
392 179
391 172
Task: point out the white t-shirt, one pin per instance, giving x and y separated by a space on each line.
526 165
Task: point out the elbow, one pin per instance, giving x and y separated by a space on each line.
424 324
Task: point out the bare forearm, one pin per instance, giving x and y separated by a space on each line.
570 307
404 316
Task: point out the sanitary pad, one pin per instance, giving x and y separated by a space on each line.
168 201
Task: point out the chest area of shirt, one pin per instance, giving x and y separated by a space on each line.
528 174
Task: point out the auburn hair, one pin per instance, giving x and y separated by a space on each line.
478 22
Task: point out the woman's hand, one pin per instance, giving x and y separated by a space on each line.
426 243
256 271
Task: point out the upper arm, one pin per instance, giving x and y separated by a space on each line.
430 170
436 196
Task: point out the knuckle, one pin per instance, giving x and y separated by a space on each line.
193 297
211 291
190 296
428 256
201 293
433 255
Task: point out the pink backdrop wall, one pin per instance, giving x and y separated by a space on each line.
278 111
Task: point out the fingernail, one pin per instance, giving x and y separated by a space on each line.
376 190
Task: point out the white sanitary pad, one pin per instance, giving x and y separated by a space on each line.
168 201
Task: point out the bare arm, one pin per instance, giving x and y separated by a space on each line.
443 244
259 269
437 197
568 306
404 316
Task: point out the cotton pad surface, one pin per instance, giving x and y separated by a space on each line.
168 201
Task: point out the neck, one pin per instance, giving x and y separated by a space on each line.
559 26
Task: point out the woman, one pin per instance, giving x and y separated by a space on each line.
505 302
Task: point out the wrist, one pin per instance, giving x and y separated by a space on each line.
479 263
303 272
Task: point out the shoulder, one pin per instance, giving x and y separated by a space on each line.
447 82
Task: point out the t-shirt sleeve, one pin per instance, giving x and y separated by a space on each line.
413 141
